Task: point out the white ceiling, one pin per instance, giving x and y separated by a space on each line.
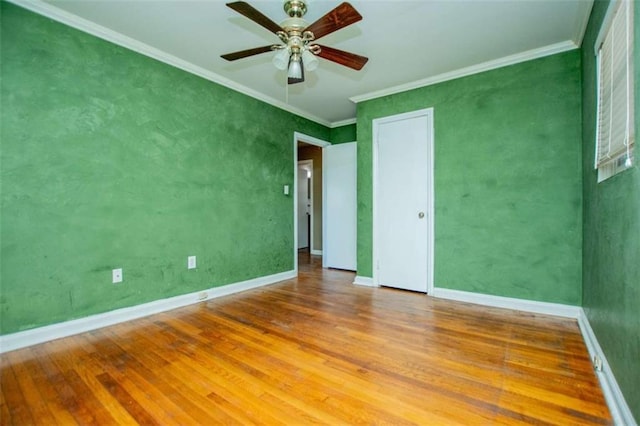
408 43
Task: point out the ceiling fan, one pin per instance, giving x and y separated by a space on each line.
298 49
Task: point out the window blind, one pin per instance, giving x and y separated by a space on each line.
615 138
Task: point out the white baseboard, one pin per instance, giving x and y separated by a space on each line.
547 308
619 408
316 252
22 339
365 281
620 411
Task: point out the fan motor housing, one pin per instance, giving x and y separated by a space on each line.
294 24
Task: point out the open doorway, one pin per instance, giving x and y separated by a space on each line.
310 166
305 204
333 206
308 148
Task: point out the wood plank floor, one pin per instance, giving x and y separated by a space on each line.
316 349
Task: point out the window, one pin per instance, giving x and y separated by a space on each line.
615 121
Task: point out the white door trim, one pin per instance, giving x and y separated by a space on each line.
297 136
428 112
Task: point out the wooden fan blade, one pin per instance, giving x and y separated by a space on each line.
340 17
341 57
252 13
244 53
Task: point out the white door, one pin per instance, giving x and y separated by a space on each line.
403 188
303 204
339 173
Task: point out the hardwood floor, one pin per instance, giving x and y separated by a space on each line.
315 349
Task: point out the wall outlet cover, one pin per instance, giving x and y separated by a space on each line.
191 262
116 276
597 363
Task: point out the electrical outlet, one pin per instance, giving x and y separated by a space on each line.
597 363
191 262
116 276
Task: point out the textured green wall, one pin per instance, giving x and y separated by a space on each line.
508 202
611 287
343 134
111 159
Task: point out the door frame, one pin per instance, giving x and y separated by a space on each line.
311 215
428 112
297 136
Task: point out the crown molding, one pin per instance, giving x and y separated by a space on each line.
50 11
582 21
341 123
86 26
474 69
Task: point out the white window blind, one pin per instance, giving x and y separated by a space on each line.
615 123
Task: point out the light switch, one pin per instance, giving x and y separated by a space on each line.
286 190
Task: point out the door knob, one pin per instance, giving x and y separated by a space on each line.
421 215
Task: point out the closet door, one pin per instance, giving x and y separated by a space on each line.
403 182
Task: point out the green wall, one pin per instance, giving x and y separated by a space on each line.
611 287
111 159
343 134
508 203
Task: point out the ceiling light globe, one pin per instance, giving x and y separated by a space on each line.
281 59
295 69
310 60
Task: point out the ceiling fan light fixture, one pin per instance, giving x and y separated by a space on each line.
281 59
309 59
297 50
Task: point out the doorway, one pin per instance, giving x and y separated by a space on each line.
403 201
303 146
312 157
305 204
